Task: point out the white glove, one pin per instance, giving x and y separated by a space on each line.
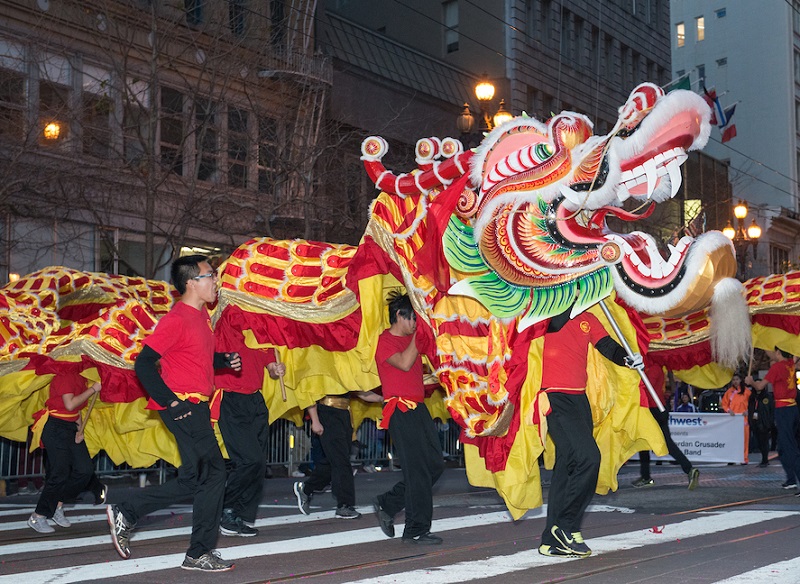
634 361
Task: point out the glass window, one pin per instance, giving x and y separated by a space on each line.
778 260
680 33
277 19
701 73
206 139
194 11
172 129
797 66
236 16
95 125
700 23
268 155
53 113
450 19
238 147
796 16
12 105
721 13
722 62
450 9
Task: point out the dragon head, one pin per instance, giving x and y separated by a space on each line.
543 192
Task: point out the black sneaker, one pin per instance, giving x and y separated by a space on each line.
347 512
101 497
643 482
208 562
303 500
424 539
694 478
570 543
120 531
231 525
385 520
789 485
556 552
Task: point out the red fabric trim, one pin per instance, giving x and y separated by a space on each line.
683 358
784 322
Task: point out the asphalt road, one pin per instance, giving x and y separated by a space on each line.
737 527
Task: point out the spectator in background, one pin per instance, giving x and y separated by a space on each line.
686 405
762 419
736 402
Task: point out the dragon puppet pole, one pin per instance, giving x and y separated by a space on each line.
629 351
280 377
82 425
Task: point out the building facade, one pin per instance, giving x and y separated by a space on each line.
748 55
132 131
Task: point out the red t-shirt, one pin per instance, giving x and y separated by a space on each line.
784 387
396 382
565 352
185 341
61 385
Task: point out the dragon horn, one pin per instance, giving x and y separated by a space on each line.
431 174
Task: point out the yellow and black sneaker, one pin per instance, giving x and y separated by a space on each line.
555 552
571 543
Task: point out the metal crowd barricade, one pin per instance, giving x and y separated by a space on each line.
289 451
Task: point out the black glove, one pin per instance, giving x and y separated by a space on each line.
179 410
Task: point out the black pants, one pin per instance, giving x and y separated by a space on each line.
762 438
577 463
417 444
788 421
244 424
644 456
201 475
334 468
68 467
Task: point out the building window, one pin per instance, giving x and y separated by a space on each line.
700 25
721 13
268 156
53 113
722 62
797 118
12 105
680 72
135 121
450 11
797 67
172 130
238 147
701 73
277 23
206 116
96 112
796 16
236 16
680 33
194 11
779 260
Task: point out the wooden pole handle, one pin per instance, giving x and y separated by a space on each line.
280 377
85 419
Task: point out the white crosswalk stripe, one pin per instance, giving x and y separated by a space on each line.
695 526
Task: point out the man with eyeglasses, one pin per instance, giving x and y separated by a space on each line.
180 390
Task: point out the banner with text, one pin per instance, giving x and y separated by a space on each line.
707 437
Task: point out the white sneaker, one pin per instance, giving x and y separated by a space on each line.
60 519
40 524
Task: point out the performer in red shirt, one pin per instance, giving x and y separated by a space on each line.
569 423
183 345
410 426
243 423
784 387
68 467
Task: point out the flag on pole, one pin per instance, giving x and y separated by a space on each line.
682 82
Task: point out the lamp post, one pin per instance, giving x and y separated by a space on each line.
466 121
742 237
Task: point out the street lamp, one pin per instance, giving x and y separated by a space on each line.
742 238
484 93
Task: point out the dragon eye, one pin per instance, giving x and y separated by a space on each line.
542 152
